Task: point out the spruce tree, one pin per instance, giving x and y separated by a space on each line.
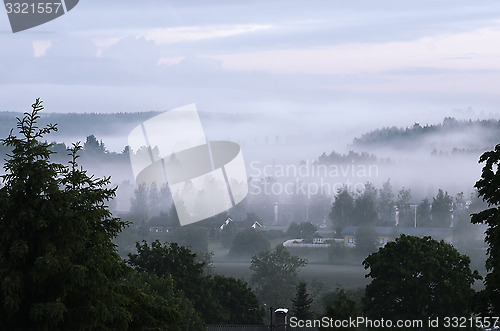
58 266
301 307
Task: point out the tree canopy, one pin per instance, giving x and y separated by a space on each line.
60 270
301 230
342 209
248 242
418 278
488 187
218 299
274 275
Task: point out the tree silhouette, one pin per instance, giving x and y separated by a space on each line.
488 187
58 266
418 278
274 275
301 304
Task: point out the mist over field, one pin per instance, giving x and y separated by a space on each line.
422 157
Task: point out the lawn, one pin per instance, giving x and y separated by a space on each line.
333 276
318 268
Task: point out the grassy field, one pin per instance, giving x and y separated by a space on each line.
350 276
318 268
333 276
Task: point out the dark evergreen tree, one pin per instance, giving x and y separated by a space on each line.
301 304
58 266
93 147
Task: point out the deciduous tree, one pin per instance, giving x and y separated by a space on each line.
418 278
301 230
342 209
488 187
238 300
217 299
274 275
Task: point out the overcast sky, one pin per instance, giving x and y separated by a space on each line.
308 66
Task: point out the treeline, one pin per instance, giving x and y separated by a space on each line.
350 157
384 207
405 138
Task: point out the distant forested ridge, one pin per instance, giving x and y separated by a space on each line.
71 124
466 135
350 157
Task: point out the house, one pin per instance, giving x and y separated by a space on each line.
226 223
389 233
159 225
320 240
159 229
256 225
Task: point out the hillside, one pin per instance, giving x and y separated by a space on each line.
449 136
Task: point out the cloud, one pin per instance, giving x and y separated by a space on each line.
194 33
40 47
475 50
313 67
